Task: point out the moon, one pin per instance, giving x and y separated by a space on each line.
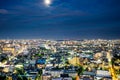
47 2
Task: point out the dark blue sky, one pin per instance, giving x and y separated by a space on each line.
63 19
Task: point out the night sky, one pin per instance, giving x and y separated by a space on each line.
60 19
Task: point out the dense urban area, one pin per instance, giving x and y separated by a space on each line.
39 59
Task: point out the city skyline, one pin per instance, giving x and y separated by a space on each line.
60 19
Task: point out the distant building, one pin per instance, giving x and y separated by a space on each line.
46 76
103 74
71 73
60 78
40 63
9 50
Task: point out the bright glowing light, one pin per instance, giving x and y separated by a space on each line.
47 2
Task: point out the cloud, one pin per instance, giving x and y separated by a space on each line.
3 11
